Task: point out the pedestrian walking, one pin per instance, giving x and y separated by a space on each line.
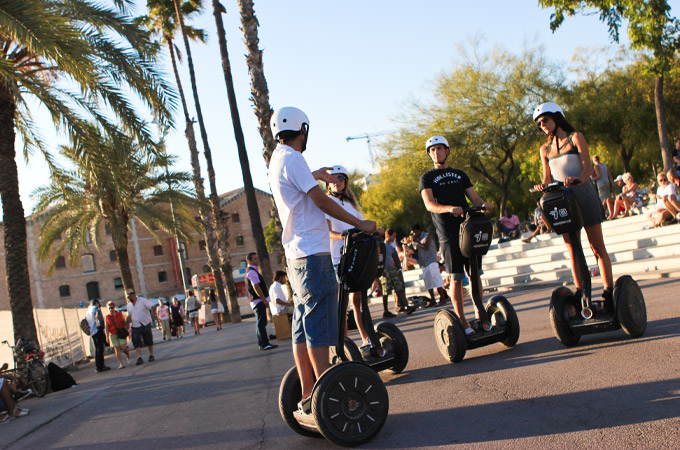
215 309
258 295
193 305
428 261
392 279
177 317
139 319
163 314
302 207
95 320
117 334
445 192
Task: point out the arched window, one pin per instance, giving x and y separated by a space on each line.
64 290
239 241
60 263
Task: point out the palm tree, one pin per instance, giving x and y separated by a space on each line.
162 20
114 182
251 200
78 59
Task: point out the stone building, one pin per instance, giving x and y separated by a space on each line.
154 264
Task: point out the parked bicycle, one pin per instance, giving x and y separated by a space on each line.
30 371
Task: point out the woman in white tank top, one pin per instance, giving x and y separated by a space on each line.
565 158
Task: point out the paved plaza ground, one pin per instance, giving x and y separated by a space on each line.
218 390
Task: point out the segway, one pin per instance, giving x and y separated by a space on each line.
497 319
349 401
574 314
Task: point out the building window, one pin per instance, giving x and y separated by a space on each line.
243 264
112 256
235 218
183 250
107 229
207 269
118 283
92 290
202 245
60 263
88 262
157 250
187 274
239 241
64 290
162 277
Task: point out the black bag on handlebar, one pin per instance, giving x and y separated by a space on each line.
476 233
362 261
560 210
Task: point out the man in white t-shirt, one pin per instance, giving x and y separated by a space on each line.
302 207
278 300
139 319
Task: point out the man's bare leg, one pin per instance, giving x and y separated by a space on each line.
304 368
457 294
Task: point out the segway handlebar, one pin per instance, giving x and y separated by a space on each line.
554 186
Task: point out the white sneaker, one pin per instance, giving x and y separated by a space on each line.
121 366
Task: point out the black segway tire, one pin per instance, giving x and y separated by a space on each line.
560 314
501 313
290 394
630 307
351 351
350 404
393 341
450 336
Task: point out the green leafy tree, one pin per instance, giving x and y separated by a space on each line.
114 181
76 58
651 28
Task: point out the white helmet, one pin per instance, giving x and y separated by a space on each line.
288 118
339 170
434 140
549 107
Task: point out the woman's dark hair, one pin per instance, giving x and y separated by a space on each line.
278 276
560 122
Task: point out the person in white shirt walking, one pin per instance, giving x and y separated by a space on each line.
139 319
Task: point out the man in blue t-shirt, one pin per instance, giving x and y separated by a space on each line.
445 192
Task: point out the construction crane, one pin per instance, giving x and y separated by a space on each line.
368 137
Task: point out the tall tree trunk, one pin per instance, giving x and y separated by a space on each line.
661 123
207 218
223 247
251 198
625 158
14 223
119 235
258 84
260 96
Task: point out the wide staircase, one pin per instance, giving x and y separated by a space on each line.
634 248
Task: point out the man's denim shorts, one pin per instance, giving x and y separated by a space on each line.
315 296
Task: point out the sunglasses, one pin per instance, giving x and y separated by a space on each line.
663 179
542 121
341 178
112 307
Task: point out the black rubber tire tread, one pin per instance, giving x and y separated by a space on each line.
497 306
450 336
558 317
351 351
290 393
39 377
629 303
340 385
392 335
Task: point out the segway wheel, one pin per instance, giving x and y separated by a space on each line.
450 336
351 351
393 341
630 306
561 310
350 404
290 394
502 314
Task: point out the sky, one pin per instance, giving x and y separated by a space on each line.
352 66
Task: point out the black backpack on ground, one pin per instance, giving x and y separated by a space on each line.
59 378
